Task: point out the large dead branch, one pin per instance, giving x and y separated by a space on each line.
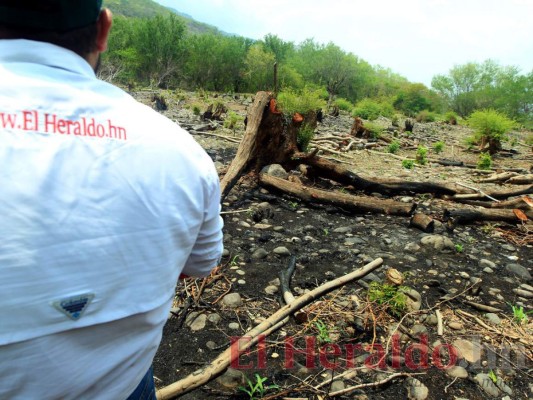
222 362
464 216
330 170
348 202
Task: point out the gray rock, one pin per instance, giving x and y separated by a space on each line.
343 229
467 349
487 385
225 253
231 379
484 263
271 289
508 247
275 170
523 293
198 323
232 300
500 383
493 318
518 270
214 318
412 247
234 326
282 251
416 390
456 326
259 254
414 299
457 372
438 242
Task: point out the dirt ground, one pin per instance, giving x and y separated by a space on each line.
263 228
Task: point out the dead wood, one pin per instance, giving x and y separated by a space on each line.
521 180
348 202
520 203
342 175
498 194
465 216
223 361
423 222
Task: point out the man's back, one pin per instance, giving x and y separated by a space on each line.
104 203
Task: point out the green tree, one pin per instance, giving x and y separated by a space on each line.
413 98
259 68
491 127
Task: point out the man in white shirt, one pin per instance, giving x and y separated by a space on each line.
104 203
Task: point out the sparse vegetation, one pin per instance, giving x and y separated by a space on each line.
484 161
304 137
232 119
491 128
459 248
451 118
367 109
393 147
438 147
519 315
421 155
408 164
257 390
426 116
344 105
374 129
303 101
323 332
389 296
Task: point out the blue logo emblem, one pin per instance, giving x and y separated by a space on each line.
74 307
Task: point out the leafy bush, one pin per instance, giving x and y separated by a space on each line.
367 109
232 119
389 296
387 109
394 146
196 109
451 118
374 129
485 161
304 136
408 164
343 104
529 139
426 116
438 147
304 101
421 155
491 127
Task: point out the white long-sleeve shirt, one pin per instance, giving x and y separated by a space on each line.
103 203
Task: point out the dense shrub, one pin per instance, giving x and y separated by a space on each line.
485 161
367 109
438 147
304 101
451 118
491 127
421 155
426 116
394 146
343 104
304 136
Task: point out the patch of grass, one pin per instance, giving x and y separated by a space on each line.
438 147
519 315
426 116
484 161
196 109
232 119
323 332
389 296
459 248
394 146
304 137
408 164
421 155
257 390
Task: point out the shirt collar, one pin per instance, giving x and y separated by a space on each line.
33 52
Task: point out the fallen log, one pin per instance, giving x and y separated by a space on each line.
521 180
465 216
223 361
348 202
330 170
498 194
521 203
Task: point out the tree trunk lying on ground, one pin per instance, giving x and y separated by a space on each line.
271 138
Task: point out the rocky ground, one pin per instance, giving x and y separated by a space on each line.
459 287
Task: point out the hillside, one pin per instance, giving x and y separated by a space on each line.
149 8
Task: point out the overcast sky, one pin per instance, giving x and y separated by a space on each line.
415 38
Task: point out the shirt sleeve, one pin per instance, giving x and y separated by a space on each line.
208 247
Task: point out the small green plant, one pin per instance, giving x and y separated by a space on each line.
323 332
408 164
304 137
519 315
421 155
257 390
196 109
232 119
484 161
493 377
394 146
438 147
233 262
293 204
326 231
367 109
389 296
459 248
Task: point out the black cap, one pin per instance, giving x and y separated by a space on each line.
49 15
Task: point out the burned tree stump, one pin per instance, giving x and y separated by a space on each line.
409 125
209 114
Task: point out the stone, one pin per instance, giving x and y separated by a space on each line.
282 251
484 263
487 385
214 318
416 390
232 300
456 326
275 170
457 372
414 299
518 270
234 326
412 247
259 254
231 379
343 229
438 242
493 318
468 350
271 289
198 323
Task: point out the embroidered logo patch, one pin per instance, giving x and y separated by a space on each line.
74 307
